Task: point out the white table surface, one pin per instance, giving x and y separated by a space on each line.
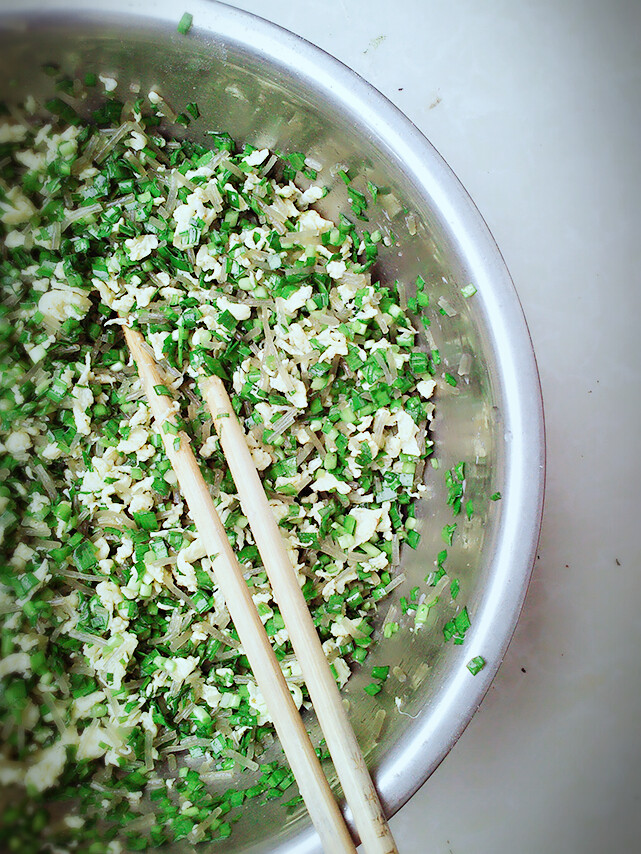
537 108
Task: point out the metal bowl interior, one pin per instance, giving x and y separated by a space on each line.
270 88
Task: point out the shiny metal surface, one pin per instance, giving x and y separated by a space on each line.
264 85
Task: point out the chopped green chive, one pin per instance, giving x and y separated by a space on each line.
412 538
85 556
184 25
146 520
476 664
380 672
448 533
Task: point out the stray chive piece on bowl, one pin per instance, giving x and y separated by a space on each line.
184 25
476 664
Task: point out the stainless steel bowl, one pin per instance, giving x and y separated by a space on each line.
271 88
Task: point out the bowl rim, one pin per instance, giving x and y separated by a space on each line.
398 777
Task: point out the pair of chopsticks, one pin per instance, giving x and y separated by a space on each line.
359 791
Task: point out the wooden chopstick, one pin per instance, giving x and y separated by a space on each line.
312 783
358 788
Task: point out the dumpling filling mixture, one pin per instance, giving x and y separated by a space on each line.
125 686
